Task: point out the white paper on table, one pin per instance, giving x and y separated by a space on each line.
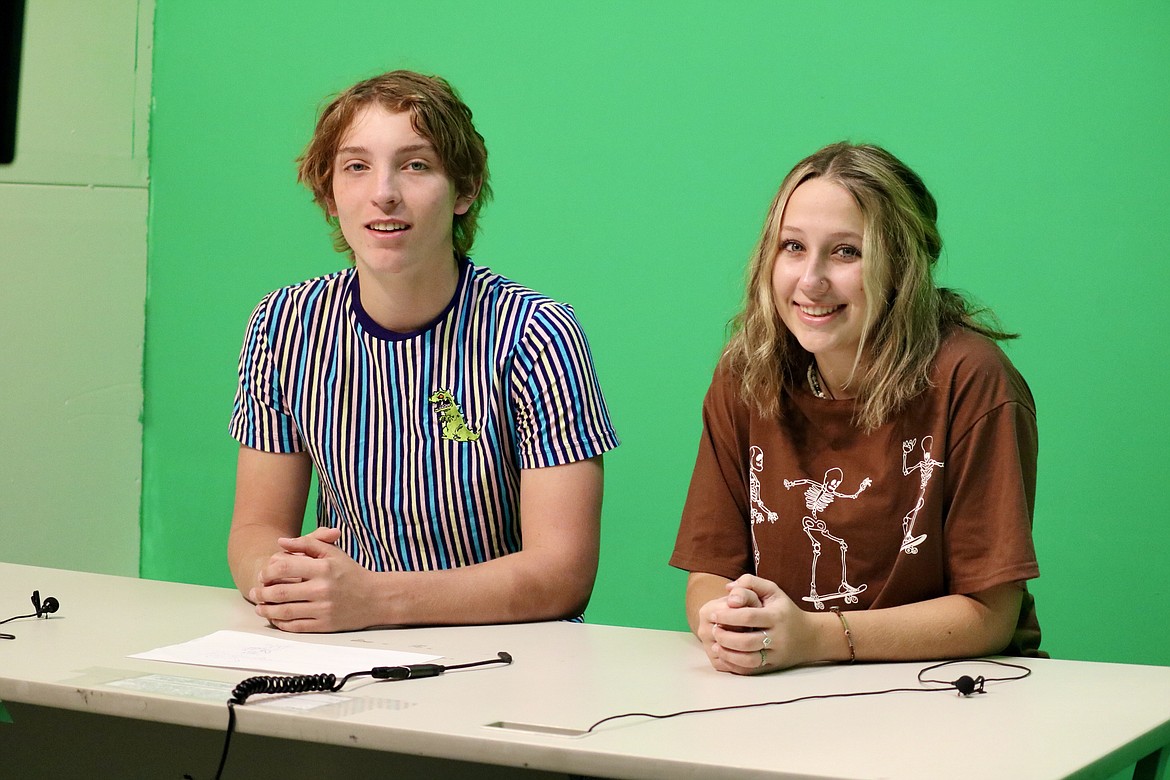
241 650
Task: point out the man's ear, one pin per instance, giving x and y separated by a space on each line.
463 202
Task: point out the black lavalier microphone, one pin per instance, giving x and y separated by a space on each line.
967 686
42 609
46 607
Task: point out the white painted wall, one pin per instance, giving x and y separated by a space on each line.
73 208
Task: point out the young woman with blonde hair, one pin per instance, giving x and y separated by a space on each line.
865 479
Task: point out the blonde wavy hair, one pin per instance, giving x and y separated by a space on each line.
906 314
437 113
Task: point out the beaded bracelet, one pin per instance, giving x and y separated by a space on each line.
848 633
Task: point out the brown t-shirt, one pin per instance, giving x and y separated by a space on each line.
937 501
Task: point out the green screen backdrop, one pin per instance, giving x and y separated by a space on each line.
634 149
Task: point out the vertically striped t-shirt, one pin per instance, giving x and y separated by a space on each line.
418 439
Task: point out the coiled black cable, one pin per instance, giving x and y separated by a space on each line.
306 683
299 684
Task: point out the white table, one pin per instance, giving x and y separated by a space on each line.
1069 719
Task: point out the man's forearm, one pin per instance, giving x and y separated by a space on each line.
520 587
249 546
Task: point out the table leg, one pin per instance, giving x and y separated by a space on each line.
1153 766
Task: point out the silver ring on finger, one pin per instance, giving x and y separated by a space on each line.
763 658
767 639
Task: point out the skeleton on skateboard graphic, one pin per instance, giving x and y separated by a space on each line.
818 497
925 468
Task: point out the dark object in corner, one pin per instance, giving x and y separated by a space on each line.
11 37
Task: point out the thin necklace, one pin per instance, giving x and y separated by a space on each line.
814 383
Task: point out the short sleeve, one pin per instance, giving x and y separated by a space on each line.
260 419
990 499
714 535
990 472
559 414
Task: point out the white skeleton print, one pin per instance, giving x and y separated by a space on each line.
760 512
925 468
818 497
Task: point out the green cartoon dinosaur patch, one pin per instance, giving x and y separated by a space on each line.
454 426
